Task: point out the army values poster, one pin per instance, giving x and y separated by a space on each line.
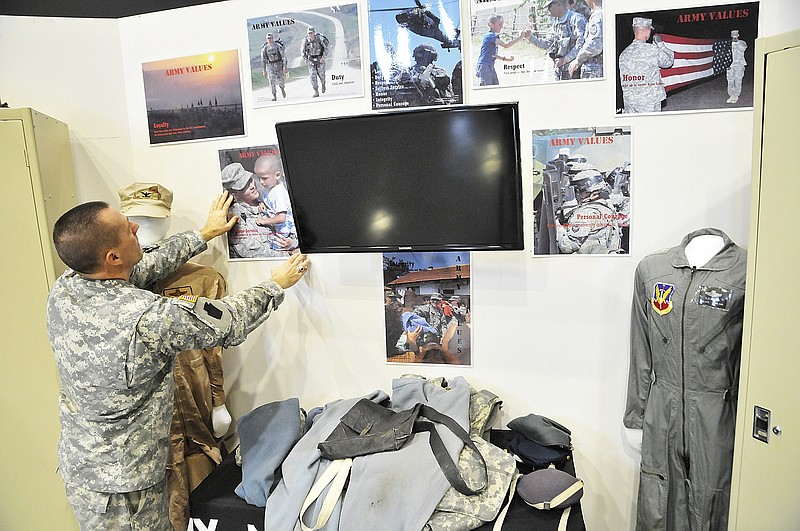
690 59
427 305
415 53
194 97
582 191
525 43
305 56
254 177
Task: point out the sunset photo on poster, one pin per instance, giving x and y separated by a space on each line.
194 97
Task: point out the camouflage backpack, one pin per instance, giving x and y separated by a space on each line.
459 512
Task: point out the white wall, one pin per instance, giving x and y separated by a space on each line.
550 334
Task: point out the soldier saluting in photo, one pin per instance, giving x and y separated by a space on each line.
640 67
273 65
314 52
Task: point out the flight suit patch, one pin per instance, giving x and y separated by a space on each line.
662 298
717 298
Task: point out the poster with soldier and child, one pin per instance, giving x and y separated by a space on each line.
265 229
415 53
529 42
305 56
427 308
582 191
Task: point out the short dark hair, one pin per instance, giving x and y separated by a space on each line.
81 238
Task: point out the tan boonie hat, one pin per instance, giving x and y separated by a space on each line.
150 200
235 177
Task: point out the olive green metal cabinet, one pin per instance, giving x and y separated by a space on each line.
766 462
38 185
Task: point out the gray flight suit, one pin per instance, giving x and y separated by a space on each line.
686 338
640 67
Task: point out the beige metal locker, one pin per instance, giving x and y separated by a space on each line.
38 185
765 493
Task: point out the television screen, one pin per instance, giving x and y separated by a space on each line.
438 179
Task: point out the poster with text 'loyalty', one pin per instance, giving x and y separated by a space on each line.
427 305
193 98
582 191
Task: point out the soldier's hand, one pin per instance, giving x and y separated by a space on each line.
658 39
574 65
218 222
291 271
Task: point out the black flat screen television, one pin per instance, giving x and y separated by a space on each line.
440 179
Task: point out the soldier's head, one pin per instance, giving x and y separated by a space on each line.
270 38
240 183
588 183
93 236
495 23
311 33
735 35
642 28
269 170
556 8
425 54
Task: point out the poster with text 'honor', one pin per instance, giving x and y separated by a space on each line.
427 305
193 98
582 191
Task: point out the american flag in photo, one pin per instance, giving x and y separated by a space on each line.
695 60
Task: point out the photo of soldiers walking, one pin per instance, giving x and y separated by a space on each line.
287 50
314 52
640 69
273 65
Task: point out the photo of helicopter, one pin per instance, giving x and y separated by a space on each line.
415 53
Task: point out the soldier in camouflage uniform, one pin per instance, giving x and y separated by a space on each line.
314 52
640 67
594 226
564 39
115 344
273 65
431 84
249 239
735 72
590 56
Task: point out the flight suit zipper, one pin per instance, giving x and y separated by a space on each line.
683 370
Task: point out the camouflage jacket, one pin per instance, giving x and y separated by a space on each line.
114 345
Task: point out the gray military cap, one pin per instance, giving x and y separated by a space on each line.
235 177
641 22
734 33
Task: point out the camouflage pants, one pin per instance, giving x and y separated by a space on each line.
735 75
316 71
142 510
276 77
